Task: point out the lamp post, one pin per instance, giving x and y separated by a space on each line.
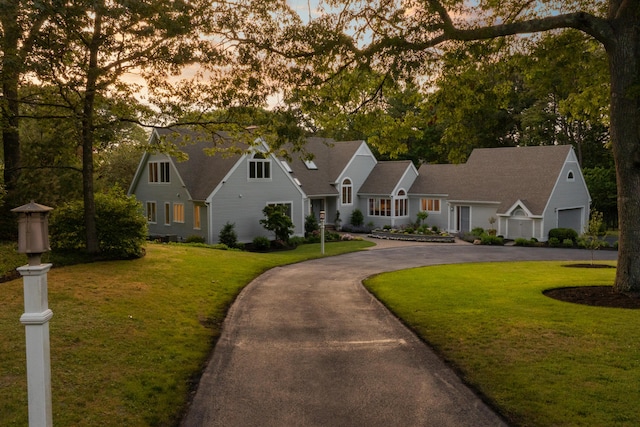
33 240
322 215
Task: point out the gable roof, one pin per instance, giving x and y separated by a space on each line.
331 158
384 177
498 175
201 173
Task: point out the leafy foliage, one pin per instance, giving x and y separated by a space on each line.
122 229
277 221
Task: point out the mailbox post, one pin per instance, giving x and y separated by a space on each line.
33 240
322 215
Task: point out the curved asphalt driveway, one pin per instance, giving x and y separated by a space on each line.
307 345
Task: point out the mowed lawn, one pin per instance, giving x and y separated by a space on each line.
129 338
541 362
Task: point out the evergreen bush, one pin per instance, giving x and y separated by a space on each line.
357 218
120 224
228 235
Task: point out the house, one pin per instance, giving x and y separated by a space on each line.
528 190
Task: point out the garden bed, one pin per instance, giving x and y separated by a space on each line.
432 238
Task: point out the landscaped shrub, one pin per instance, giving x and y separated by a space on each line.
228 235
120 225
409 230
563 233
386 227
435 229
554 242
359 229
261 243
492 240
521 241
567 243
310 224
478 231
194 238
357 218
277 221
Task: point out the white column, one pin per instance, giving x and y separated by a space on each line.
36 321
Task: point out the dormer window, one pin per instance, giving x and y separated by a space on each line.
571 176
259 167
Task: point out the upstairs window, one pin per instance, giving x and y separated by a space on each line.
159 172
347 192
259 167
571 176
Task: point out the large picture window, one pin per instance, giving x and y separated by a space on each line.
430 205
259 167
347 192
159 172
178 212
379 207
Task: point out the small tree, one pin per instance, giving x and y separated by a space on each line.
277 221
228 235
422 217
357 219
593 231
310 224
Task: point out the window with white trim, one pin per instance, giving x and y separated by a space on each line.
401 203
178 212
430 205
259 167
347 192
288 206
159 172
151 212
379 206
167 213
196 217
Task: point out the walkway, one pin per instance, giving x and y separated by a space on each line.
306 345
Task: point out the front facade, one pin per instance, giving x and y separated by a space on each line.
520 192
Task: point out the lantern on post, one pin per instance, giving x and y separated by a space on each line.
33 230
322 217
33 240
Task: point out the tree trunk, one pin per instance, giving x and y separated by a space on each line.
624 64
87 138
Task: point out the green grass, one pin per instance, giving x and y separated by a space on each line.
542 362
129 338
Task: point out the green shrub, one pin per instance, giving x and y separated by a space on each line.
357 218
563 233
194 238
310 224
554 242
120 225
567 243
386 227
409 230
435 229
491 240
521 241
478 231
261 243
228 235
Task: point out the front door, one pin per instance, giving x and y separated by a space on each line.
463 214
317 205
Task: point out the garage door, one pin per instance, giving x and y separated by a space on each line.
570 218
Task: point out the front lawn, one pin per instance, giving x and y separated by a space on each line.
540 361
129 338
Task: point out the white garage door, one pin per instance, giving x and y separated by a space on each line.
570 218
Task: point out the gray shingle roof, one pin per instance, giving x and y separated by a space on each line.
498 175
384 177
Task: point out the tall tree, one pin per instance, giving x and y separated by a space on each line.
409 35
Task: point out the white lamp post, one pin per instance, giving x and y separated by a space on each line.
322 214
33 240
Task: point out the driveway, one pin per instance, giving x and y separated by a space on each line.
307 345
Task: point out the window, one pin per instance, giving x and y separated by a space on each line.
430 205
347 192
167 213
196 217
401 204
151 212
159 172
259 167
310 165
379 207
178 212
571 176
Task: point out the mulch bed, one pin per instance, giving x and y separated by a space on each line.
599 296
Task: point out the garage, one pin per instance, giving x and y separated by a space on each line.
570 218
